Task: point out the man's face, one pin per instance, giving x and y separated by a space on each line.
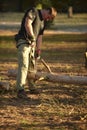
48 17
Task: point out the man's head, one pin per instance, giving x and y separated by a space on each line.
49 13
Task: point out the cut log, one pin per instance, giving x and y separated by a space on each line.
52 77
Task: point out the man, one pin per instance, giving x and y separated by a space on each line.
29 39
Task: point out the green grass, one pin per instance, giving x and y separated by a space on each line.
65 38
8 48
11 17
77 23
77 19
60 19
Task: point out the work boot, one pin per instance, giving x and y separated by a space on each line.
34 91
32 88
22 94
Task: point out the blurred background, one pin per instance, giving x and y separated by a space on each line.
72 14
62 6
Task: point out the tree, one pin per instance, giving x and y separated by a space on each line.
20 5
60 5
44 3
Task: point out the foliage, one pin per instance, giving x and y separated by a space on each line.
44 3
60 5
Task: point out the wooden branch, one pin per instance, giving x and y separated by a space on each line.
52 77
45 64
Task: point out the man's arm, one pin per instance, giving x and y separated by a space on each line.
29 28
39 42
38 46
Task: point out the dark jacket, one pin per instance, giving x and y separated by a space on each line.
37 24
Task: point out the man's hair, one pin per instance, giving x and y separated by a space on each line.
52 11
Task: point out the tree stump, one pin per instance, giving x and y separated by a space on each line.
70 12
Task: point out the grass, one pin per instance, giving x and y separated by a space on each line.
53 42
61 22
8 16
7 48
60 19
77 19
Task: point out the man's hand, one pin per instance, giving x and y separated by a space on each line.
32 38
37 54
33 44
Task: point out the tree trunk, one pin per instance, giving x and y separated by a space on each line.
52 77
70 12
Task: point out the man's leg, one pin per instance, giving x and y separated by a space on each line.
32 71
23 62
31 68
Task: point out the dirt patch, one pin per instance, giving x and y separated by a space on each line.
58 106
7 33
50 32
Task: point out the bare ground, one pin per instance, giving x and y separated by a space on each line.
57 107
